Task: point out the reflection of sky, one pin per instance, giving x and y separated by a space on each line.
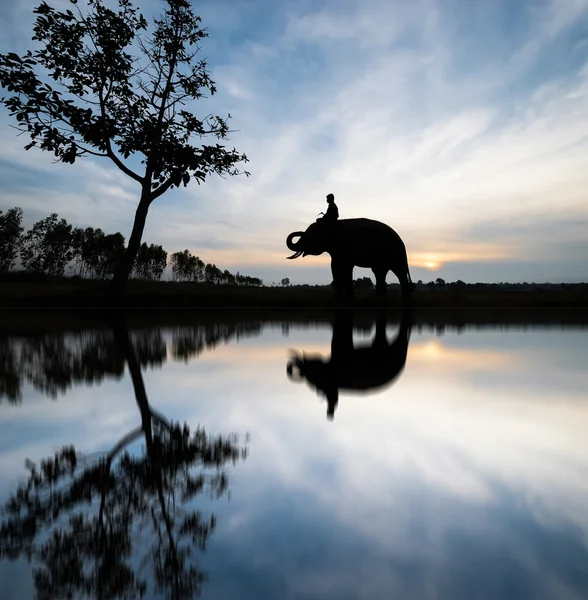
466 478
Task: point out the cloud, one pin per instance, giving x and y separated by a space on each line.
438 119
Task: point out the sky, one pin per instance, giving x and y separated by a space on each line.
463 125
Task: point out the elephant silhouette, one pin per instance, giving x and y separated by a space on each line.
355 243
350 368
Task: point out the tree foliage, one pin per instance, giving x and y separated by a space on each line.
106 100
248 280
101 83
96 254
186 267
150 262
10 234
47 246
212 274
53 245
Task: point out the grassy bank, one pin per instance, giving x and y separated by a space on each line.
31 305
21 290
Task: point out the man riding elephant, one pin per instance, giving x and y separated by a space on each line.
354 243
332 213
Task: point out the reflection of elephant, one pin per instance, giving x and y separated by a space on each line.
356 243
365 368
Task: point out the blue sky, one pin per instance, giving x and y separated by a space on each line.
463 125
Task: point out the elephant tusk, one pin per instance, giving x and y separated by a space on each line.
295 255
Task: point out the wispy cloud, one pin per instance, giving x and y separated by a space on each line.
439 118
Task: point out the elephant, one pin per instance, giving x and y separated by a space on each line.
350 368
356 243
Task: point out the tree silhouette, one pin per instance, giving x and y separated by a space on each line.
186 267
78 519
10 234
189 342
150 262
52 246
96 254
47 246
83 92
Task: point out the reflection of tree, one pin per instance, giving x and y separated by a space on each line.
79 520
10 380
189 342
53 362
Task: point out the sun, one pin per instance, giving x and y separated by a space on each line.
432 261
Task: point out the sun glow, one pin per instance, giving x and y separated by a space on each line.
432 265
432 262
437 259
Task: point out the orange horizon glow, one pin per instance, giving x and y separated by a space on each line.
430 260
433 261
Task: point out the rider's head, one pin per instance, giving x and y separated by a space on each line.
330 198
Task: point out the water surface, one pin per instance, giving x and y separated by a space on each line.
384 461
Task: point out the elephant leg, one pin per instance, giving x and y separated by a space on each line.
342 337
380 339
342 278
380 282
332 401
406 286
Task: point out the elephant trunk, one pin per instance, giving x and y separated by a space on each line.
294 246
294 369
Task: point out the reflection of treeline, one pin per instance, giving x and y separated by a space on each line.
52 246
52 363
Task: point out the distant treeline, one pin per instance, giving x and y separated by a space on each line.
54 247
441 284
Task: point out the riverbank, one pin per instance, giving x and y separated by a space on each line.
70 293
187 305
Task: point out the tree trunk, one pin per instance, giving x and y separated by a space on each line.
123 271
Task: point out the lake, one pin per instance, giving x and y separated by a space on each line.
349 457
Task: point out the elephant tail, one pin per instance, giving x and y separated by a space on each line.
412 283
411 286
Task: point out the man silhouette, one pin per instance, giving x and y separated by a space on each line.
332 213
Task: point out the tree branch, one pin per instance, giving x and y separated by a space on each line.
119 163
162 189
110 152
